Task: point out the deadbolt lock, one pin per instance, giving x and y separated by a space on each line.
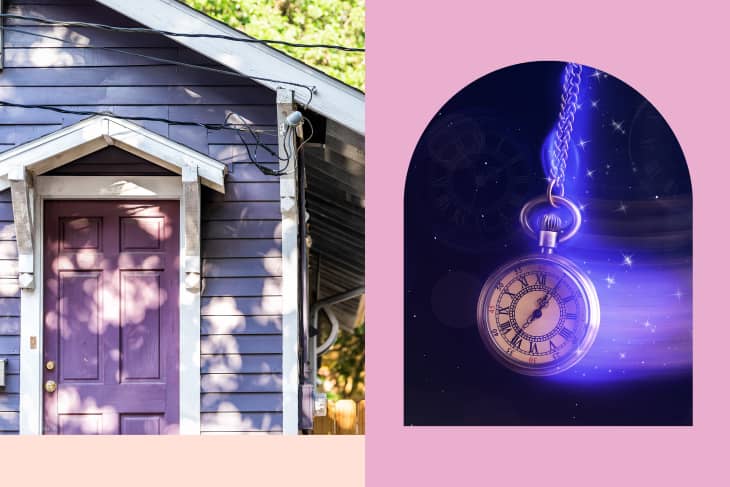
50 365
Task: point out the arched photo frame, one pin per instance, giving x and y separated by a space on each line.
484 155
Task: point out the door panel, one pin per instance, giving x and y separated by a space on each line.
79 324
139 424
111 317
140 306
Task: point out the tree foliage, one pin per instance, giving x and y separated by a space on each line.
340 22
342 373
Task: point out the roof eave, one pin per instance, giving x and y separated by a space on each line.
333 99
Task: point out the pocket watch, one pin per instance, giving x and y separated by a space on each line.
539 314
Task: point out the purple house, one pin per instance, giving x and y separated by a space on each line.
162 273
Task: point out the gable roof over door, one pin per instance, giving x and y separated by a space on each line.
68 144
333 99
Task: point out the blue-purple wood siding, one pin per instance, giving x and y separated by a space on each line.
9 317
241 302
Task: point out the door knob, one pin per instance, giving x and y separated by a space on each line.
50 386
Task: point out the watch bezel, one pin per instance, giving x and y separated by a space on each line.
590 302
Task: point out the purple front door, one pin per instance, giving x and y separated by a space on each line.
111 281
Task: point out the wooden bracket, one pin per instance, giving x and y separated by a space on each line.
20 184
191 213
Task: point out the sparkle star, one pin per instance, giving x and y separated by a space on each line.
610 281
628 260
622 208
582 206
678 294
618 126
596 74
582 143
594 103
622 355
590 173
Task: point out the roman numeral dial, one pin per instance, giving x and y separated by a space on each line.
536 315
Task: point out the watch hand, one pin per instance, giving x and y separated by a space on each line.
554 288
532 318
542 302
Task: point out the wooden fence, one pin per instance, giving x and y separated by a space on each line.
344 417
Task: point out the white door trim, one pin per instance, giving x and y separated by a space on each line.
31 300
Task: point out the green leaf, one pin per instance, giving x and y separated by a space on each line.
340 22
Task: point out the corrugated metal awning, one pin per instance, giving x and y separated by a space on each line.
335 202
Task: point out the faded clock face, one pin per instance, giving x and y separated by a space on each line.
479 176
538 315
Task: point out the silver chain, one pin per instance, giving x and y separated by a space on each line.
561 143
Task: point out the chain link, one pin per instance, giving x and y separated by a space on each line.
561 143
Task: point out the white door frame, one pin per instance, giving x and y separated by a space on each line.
31 300
24 165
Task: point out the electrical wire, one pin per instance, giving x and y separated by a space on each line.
306 139
310 89
146 30
289 150
209 126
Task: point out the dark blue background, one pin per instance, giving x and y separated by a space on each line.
477 163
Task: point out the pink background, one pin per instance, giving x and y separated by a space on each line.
181 461
422 53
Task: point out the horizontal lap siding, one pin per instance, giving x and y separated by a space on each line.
241 308
9 318
241 363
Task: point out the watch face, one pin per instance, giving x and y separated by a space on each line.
538 315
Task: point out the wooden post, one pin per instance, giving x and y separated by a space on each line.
323 425
346 417
361 417
290 263
190 303
332 416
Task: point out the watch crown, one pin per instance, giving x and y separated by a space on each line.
550 222
550 225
